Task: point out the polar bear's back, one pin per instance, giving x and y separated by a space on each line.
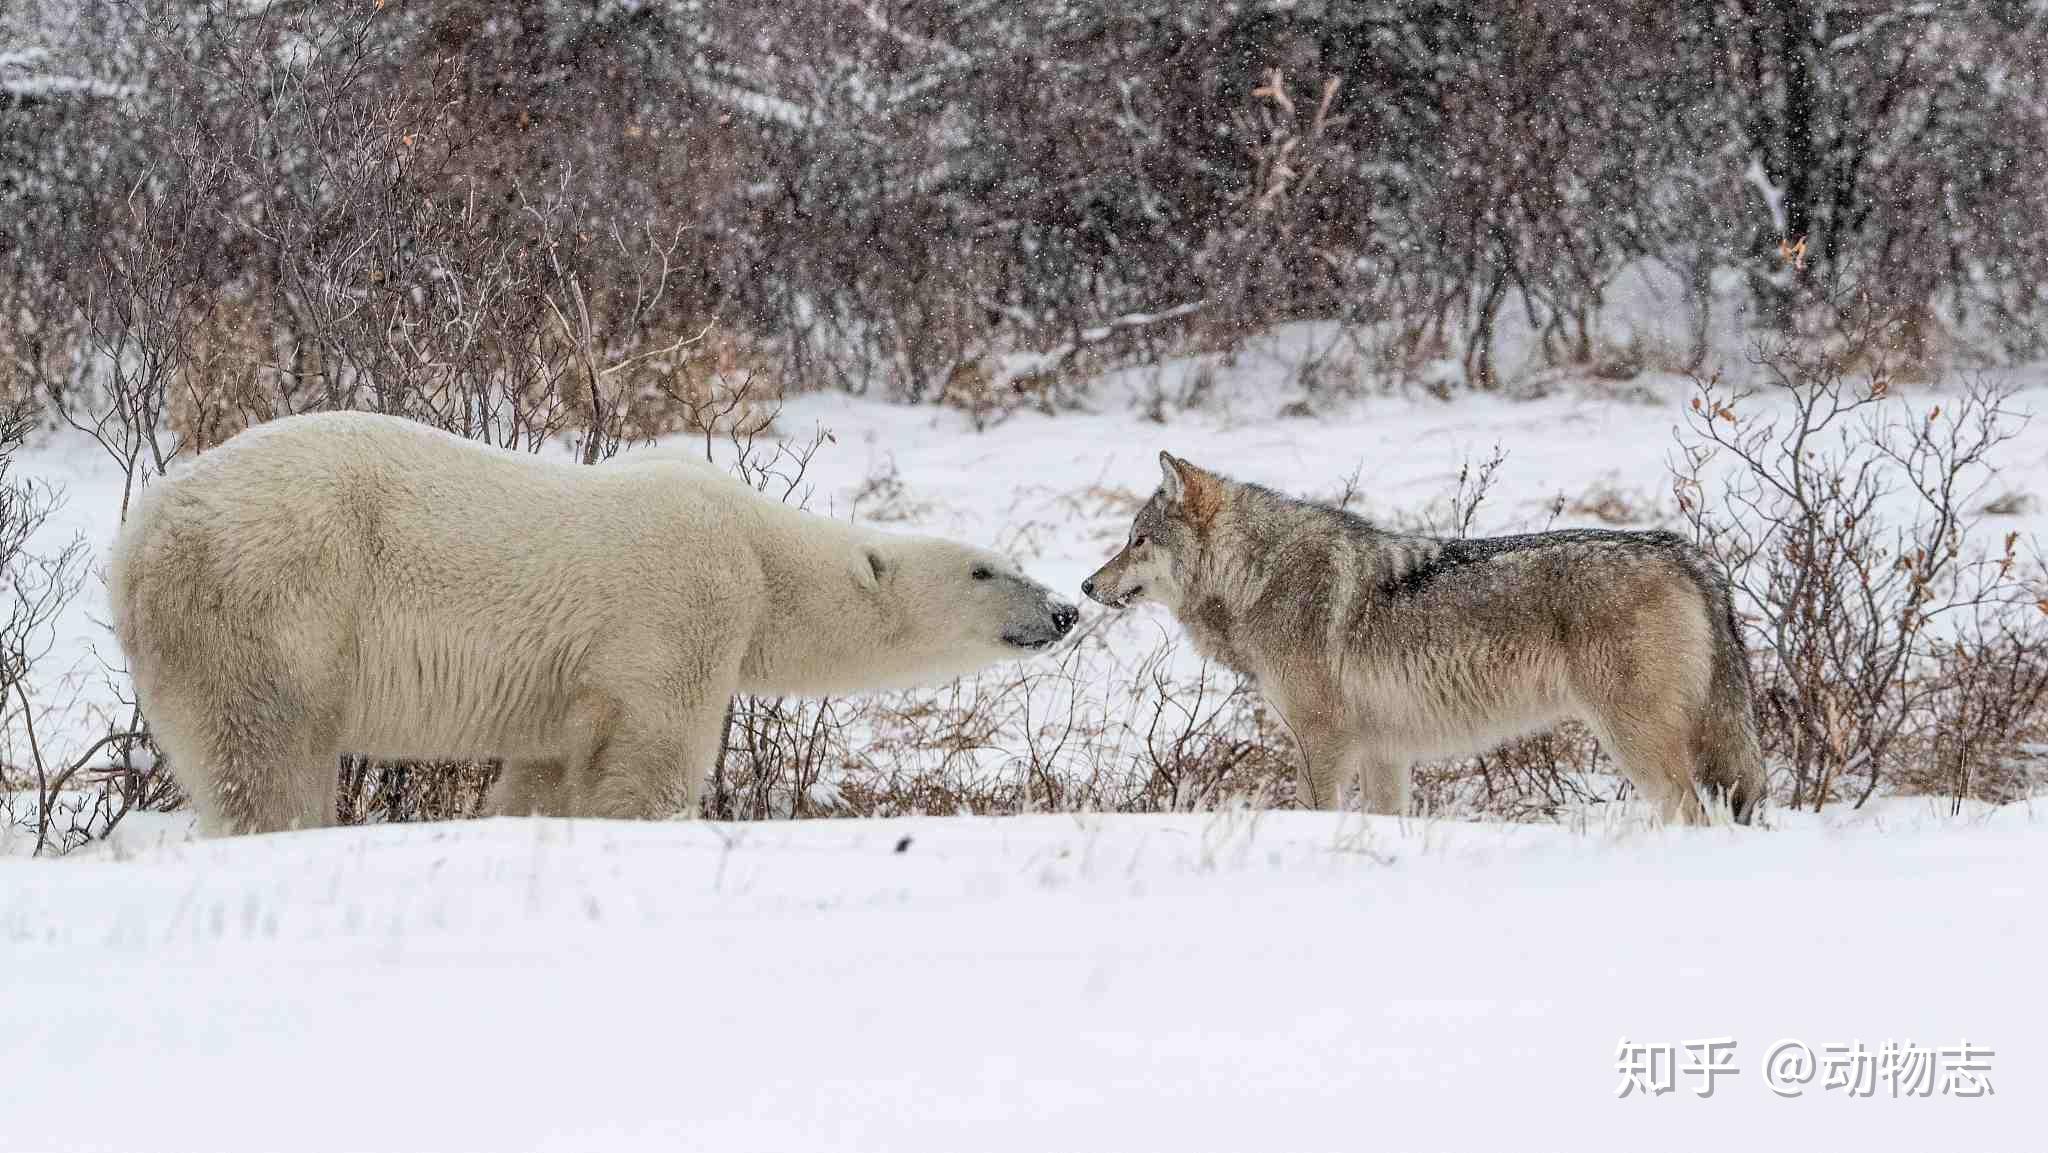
363 495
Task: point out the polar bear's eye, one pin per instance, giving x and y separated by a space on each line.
876 566
982 572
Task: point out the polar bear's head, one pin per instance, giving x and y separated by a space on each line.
948 608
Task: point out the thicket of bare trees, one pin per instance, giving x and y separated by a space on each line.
465 206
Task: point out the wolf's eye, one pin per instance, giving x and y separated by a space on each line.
1139 540
982 572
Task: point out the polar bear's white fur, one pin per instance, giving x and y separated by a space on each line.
346 582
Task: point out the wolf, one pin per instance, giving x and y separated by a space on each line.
348 582
1381 648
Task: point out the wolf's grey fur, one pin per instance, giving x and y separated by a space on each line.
1382 648
344 582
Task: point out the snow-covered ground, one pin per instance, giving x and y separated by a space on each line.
1233 981
1225 981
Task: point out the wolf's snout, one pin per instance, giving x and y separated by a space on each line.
1106 594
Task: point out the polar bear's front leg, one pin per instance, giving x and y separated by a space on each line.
650 754
651 767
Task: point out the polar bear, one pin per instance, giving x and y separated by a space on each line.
348 582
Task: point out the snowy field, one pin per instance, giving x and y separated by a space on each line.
1228 981
1278 981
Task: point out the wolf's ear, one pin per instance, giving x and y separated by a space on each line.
1198 493
1171 479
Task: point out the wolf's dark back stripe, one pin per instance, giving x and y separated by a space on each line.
1444 555
1454 554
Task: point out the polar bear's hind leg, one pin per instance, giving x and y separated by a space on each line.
256 752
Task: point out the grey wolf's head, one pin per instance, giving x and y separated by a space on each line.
1166 540
967 605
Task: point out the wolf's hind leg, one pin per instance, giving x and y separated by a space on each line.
1731 769
1657 757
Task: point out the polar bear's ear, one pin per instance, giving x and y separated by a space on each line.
869 569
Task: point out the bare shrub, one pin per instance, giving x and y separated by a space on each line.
388 792
1844 515
2011 503
1095 731
1209 739
1278 256
1455 516
1988 693
76 798
1532 778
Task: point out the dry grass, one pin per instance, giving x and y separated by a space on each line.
387 792
1094 730
1608 504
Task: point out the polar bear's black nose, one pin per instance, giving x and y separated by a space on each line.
1064 616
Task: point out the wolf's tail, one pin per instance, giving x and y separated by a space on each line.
1731 758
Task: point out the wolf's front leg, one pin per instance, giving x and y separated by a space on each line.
1319 790
1329 761
1383 786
